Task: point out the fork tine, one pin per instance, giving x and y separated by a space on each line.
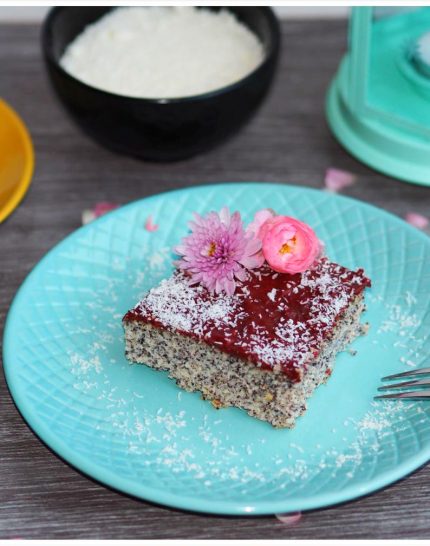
411 373
417 395
416 383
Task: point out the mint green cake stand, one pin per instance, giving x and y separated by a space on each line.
378 105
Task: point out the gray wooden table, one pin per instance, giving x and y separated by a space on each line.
288 141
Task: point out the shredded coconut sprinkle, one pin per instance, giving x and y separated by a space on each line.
298 313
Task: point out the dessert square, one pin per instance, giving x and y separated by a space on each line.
263 348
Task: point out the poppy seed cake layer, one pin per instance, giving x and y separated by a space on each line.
264 349
227 380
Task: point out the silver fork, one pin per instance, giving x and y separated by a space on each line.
414 382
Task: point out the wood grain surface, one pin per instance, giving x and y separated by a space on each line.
287 141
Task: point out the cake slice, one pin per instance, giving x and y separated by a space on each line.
264 349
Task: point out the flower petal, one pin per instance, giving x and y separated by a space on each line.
240 274
253 246
149 224
225 216
260 217
180 249
336 179
252 262
229 287
417 220
98 210
104 207
290 518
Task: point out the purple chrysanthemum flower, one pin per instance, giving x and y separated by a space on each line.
218 251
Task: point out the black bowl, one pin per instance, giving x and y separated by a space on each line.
164 129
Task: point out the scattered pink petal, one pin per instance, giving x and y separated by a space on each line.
336 179
103 207
417 220
149 224
289 519
99 209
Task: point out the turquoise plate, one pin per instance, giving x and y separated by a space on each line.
133 429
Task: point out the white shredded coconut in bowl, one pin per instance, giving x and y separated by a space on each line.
163 52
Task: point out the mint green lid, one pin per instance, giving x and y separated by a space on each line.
378 105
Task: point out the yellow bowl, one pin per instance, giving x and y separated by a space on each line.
16 160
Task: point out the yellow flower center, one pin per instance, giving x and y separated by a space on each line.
286 248
211 249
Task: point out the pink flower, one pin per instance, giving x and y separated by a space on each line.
289 246
218 251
